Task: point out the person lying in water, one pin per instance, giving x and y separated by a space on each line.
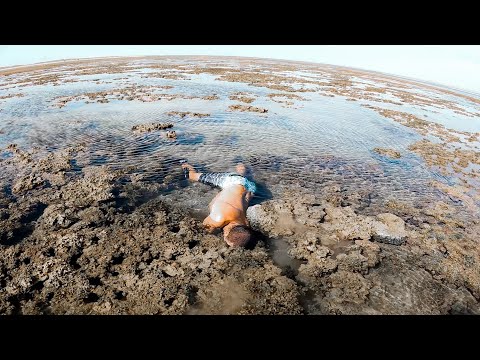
228 208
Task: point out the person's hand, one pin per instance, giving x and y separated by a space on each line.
188 170
187 166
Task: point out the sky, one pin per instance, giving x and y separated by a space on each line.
457 66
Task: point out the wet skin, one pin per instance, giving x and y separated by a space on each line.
228 208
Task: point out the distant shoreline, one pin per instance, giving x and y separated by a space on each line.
9 70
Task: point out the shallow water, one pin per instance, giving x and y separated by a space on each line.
316 141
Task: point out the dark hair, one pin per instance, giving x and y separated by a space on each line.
239 235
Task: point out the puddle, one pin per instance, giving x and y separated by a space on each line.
339 247
279 250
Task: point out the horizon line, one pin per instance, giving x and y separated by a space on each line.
420 81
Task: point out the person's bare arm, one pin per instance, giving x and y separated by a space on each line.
248 197
211 224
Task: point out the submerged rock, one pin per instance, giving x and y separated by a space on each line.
242 98
142 128
183 114
239 107
171 135
391 153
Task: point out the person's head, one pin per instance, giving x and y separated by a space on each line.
236 235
